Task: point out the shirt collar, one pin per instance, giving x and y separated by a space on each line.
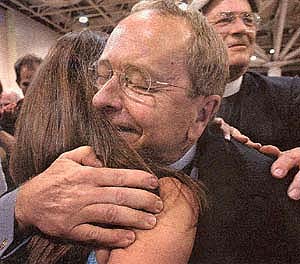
233 87
185 160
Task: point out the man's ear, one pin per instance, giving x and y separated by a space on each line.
207 107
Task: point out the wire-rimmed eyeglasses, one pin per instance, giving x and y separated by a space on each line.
135 82
226 18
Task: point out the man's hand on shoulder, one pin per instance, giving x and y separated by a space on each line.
230 131
76 198
286 160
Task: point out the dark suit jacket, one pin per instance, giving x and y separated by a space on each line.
267 109
250 219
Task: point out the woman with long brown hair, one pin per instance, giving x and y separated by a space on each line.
57 116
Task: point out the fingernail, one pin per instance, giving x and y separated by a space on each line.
158 206
130 237
278 172
227 137
294 194
151 221
153 183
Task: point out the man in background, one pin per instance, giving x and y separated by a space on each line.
264 108
25 67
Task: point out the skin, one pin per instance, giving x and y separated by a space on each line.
151 131
239 38
100 193
26 75
151 120
174 234
75 190
7 110
240 41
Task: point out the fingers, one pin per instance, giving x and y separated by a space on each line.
102 236
252 144
64 199
243 139
121 178
224 126
294 188
84 155
229 131
270 150
129 197
114 215
93 174
285 162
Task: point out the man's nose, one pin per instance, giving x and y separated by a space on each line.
108 99
239 26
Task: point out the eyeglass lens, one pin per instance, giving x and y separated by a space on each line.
225 18
132 78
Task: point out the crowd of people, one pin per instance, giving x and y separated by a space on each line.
10 105
121 151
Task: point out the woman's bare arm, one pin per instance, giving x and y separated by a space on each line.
172 239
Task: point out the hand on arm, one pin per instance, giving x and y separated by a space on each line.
286 160
75 196
172 239
230 131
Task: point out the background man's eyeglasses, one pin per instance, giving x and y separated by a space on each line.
135 82
225 18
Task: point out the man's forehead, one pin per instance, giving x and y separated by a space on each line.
29 69
148 29
206 4
218 6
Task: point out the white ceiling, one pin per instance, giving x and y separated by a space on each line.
280 27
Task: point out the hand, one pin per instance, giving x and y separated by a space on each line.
174 232
77 199
286 160
229 131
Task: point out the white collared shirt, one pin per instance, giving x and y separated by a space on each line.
185 160
233 87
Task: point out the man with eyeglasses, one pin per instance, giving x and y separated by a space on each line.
264 108
162 120
160 84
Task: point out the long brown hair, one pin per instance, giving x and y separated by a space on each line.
57 116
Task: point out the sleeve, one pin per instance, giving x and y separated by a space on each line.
294 120
3 184
10 241
7 208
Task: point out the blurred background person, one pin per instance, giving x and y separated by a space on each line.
25 68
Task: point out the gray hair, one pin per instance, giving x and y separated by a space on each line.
202 5
206 54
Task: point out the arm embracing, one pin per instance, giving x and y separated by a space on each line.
172 239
